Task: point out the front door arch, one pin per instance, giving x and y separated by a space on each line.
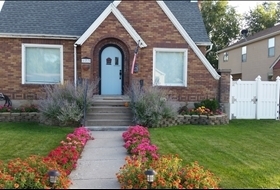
111 70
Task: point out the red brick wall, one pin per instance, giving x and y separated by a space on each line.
10 70
154 28
157 31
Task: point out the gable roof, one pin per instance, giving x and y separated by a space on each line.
73 18
276 62
264 34
112 9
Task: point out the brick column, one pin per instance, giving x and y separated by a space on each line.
224 90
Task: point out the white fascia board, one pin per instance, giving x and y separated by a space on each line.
274 63
41 36
188 39
249 42
112 8
128 27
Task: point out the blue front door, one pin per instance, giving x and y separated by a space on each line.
111 71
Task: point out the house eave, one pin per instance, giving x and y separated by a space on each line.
249 42
188 39
203 43
112 8
41 36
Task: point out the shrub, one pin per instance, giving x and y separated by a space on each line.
149 105
23 108
64 104
32 172
211 104
170 174
194 176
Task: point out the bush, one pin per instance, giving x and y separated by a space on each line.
211 104
32 172
170 174
64 104
149 105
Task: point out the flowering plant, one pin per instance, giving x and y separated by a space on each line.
169 171
31 173
27 108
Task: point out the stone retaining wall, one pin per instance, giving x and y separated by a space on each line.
195 120
15 117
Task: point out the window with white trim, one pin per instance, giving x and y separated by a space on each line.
271 47
169 67
225 58
42 64
244 54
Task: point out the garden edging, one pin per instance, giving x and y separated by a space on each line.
23 116
195 120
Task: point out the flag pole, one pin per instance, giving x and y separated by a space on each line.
134 58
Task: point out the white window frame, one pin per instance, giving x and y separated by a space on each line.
271 45
244 52
185 51
23 64
225 57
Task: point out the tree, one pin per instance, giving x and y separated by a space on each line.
262 16
222 25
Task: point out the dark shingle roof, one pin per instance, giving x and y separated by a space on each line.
189 16
72 18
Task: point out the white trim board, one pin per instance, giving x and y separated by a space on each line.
112 8
188 39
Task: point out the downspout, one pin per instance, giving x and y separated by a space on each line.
209 49
75 65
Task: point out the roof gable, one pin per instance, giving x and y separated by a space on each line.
112 9
188 39
264 34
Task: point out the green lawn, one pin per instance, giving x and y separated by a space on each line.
243 154
24 139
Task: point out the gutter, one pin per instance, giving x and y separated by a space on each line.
41 36
211 46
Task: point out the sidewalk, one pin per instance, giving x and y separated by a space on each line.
100 160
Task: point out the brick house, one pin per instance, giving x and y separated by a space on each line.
47 42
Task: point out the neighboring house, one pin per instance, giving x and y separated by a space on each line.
49 42
253 55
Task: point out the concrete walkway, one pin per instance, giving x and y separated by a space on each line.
100 160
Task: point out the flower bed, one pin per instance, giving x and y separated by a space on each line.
31 173
168 169
195 120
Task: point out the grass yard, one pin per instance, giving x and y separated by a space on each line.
243 154
24 139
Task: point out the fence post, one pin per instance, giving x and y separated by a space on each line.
258 96
277 97
230 99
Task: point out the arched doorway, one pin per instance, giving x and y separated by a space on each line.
111 70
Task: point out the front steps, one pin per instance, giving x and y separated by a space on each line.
109 113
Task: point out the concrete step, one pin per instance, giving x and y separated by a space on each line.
109 109
108 122
107 128
120 115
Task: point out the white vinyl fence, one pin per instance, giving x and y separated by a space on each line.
254 99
